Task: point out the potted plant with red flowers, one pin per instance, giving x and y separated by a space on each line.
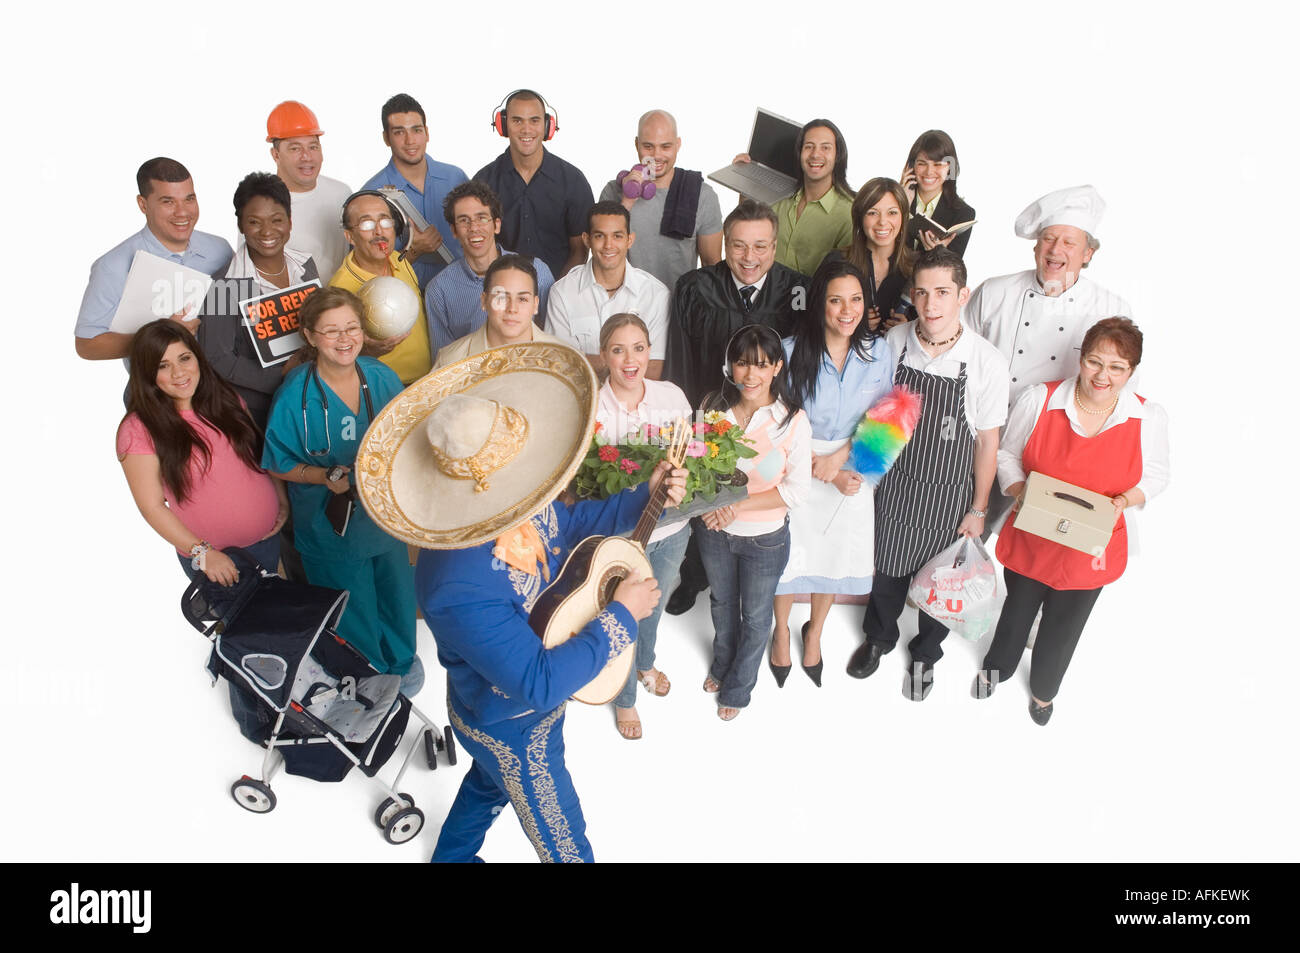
715 447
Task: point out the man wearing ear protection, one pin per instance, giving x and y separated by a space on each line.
544 198
372 225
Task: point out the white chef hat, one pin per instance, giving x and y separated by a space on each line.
1081 206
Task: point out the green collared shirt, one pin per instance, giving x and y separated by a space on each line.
826 224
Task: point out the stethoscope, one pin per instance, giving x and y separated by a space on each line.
325 406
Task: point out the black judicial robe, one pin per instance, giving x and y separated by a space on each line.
707 310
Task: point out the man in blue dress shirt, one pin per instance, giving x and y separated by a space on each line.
425 181
453 302
171 210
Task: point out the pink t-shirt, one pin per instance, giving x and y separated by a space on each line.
229 504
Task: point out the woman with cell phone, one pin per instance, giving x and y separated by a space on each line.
930 179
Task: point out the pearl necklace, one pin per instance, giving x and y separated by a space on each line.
1078 403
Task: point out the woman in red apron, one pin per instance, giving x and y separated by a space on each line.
1094 432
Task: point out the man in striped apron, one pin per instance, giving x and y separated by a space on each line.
939 487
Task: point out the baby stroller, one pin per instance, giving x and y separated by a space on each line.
325 710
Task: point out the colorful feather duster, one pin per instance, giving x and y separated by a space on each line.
883 433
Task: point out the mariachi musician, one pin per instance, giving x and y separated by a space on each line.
506 430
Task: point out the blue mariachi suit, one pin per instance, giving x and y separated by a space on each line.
379 620
505 692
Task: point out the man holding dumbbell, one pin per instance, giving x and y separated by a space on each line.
677 226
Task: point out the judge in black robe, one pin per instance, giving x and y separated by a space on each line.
707 309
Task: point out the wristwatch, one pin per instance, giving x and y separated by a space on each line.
980 513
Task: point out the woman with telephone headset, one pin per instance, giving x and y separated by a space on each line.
930 179
745 545
319 416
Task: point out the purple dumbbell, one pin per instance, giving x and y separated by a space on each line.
645 189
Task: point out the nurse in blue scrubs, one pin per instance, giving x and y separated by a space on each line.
317 420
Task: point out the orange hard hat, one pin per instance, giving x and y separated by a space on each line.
289 119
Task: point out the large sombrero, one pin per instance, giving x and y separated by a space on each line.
475 448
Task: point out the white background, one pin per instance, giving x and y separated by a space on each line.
1173 737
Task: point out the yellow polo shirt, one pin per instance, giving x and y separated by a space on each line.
411 359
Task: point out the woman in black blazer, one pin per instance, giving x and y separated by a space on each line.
929 175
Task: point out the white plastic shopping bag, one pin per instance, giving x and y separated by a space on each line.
959 588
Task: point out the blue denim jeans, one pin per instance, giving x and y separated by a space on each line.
743 572
666 560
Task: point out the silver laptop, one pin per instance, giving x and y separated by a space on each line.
773 172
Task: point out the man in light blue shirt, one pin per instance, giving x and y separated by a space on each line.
170 212
453 301
425 181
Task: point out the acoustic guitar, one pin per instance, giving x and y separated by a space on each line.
590 575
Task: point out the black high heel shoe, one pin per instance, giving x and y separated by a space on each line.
812 671
779 672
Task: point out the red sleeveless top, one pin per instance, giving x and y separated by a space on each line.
1108 463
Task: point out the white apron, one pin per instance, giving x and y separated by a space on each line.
832 538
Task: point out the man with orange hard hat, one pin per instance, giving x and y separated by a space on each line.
294 134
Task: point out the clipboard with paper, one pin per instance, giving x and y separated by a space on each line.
157 288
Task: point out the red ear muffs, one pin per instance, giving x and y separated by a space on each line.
550 125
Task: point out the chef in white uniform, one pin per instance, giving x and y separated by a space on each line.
1038 318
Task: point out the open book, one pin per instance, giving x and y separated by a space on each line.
927 224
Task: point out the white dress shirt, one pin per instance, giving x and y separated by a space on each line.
986 371
1029 406
1039 335
578 307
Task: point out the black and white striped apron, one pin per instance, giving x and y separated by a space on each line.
922 499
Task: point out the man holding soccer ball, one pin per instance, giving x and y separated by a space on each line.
371 225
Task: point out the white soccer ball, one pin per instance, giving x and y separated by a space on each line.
392 308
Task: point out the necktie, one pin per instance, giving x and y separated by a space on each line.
747 297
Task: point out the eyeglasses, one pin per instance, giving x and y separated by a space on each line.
740 249
482 218
333 334
1094 365
369 224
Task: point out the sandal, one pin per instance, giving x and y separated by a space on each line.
629 728
726 714
712 687
655 681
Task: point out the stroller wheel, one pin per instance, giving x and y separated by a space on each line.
253 795
389 808
404 825
431 744
450 742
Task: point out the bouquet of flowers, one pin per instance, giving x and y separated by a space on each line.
716 446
